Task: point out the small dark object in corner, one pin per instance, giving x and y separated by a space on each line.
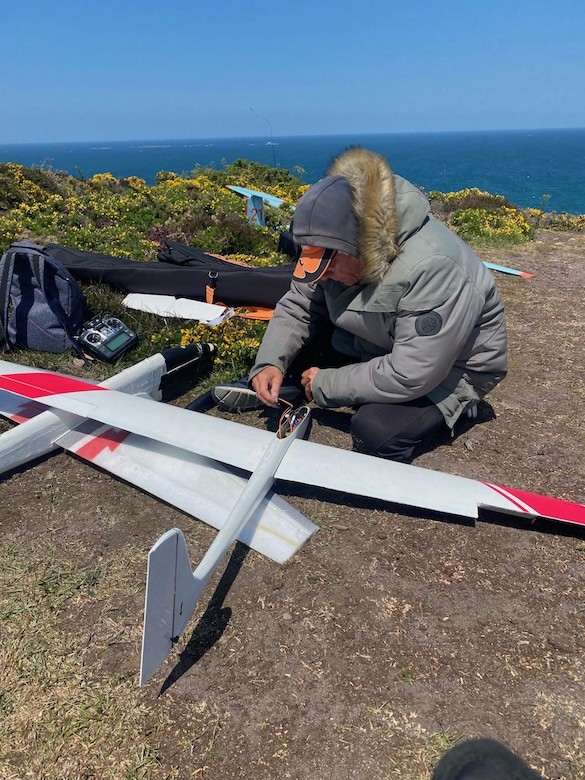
482 759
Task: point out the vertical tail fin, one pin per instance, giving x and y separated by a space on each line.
169 586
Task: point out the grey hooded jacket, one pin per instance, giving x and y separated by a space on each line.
427 318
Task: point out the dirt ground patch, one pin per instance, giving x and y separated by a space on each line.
390 636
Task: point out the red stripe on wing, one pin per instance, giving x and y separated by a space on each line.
555 508
38 385
109 440
545 506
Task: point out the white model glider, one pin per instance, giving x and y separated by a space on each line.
186 459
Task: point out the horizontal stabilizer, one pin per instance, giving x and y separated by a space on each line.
201 487
184 308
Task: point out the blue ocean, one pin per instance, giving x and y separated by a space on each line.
533 168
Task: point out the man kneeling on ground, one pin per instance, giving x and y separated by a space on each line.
413 320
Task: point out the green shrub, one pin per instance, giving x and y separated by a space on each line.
505 224
564 221
470 198
127 218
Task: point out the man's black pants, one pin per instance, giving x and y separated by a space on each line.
395 431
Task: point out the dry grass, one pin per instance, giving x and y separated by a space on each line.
414 750
61 715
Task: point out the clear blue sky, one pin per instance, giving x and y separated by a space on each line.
90 70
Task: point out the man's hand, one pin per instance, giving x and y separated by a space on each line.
267 385
307 381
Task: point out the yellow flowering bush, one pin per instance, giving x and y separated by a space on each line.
271 258
92 215
469 198
565 221
275 181
535 214
506 224
237 341
26 186
135 183
474 213
466 194
103 178
128 218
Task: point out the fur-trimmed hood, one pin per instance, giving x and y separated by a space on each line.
363 209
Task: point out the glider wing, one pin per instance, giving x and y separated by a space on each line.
364 475
199 486
305 462
232 443
505 270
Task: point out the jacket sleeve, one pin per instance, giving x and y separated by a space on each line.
296 320
435 318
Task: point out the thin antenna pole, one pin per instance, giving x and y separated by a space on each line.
271 137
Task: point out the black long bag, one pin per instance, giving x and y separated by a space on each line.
182 271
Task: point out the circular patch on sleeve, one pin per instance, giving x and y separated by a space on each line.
428 324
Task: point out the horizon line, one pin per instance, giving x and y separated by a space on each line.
285 137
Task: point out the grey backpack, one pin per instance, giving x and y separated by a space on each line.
41 304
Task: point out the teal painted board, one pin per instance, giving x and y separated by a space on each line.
272 200
255 210
505 270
